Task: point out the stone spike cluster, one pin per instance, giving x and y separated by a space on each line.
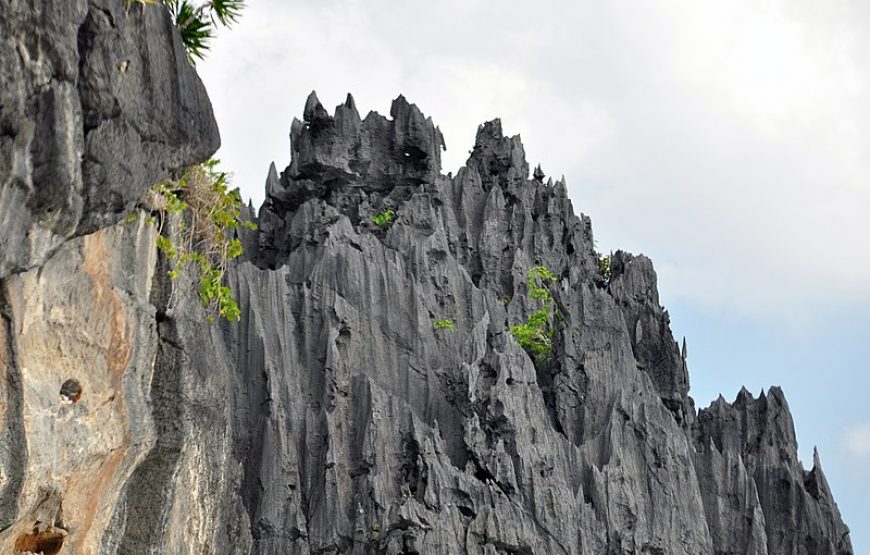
599 450
336 417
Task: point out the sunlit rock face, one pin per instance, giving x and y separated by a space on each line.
139 459
335 417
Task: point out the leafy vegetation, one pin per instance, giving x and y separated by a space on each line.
198 22
536 334
384 218
201 240
605 265
444 325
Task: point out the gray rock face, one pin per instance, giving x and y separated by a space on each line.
751 444
383 434
98 102
335 417
634 289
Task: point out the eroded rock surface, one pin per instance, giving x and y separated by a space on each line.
383 434
754 486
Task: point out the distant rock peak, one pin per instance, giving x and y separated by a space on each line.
403 149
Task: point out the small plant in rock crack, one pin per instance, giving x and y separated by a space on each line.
385 218
536 334
444 325
605 266
201 239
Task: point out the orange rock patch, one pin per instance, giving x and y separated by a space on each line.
47 542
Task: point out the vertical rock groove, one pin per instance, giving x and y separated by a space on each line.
13 441
144 514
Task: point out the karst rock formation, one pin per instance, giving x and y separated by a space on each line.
334 417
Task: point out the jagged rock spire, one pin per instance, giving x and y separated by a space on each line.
498 158
375 152
471 409
314 110
349 102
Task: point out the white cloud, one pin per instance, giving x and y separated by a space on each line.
728 141
857 440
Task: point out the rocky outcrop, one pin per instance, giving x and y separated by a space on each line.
98 102
383 434
633 286
758 497
141 460
335 417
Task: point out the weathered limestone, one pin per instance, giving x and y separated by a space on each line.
381 424
334 418
752 480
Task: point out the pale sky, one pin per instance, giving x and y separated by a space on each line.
729 141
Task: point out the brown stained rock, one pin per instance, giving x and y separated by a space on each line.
47 542
78 316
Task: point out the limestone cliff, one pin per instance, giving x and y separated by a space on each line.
98 101
335 418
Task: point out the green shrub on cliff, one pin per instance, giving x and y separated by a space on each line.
444 325
201 240
536 334
385 218
605 266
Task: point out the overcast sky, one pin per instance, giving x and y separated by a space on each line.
729 141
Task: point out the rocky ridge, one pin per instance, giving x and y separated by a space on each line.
599 451
334 418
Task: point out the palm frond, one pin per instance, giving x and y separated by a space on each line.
227 11
198 23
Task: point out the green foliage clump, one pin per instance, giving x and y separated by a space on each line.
384 218
197 22
536 334
444 325
605 266
201 239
